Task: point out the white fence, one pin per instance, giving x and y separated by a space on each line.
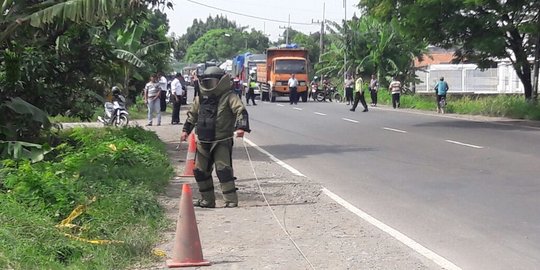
467 78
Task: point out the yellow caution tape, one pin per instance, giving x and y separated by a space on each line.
66 223
158 252
113 147
97 242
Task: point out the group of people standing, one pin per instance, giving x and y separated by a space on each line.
355 87
354 92
155 97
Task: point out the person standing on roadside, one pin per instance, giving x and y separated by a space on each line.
196 86
215 115
395 89
293 89
359 94
152 93
163 95
237 86
440 89
176 95
373 88
252 84
349 86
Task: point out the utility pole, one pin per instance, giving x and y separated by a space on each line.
321 36
287 30
536 68
345 32
288 26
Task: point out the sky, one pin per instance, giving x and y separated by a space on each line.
302 14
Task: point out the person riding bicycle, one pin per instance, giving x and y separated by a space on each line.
440 89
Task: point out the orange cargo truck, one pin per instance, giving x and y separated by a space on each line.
275 73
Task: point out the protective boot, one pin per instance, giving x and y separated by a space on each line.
208 200
206 188
229 194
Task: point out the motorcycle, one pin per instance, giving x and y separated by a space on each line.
116 114
314 90
328 93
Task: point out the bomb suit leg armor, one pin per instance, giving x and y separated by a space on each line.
203 177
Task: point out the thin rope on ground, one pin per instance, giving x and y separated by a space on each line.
271 210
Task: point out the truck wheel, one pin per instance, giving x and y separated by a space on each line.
304 96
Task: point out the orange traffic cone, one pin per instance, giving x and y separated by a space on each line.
187 249
190 159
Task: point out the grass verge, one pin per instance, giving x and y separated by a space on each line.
114 174
511 106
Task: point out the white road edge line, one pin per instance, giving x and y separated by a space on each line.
275 159
465 144
350 120
298 109
439 260
444 263
396 130
319 113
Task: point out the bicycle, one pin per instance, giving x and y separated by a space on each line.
441 105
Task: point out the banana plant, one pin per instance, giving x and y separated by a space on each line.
15 13
130 50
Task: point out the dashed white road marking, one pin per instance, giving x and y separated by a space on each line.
465 144
298 109
441 261
349 120
280 105
318 113
396 130
275 159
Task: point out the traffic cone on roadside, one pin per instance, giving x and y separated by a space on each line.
187 249
190 159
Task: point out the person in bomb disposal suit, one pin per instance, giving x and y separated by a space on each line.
216 114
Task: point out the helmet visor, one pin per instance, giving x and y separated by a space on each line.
209 82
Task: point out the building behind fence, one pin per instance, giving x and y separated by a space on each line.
468 79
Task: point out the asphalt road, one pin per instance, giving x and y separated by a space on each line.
467 190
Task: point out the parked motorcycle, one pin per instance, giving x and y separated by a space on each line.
116 113
328 93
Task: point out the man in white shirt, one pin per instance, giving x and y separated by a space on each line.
293 89
176 96
395 89
163 85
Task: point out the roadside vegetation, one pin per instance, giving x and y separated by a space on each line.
511 106
110 177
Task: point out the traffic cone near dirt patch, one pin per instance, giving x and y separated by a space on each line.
190 159
187 249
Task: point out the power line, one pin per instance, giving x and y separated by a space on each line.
246 15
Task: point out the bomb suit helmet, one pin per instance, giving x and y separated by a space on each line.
214 81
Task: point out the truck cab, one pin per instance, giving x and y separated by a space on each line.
280 64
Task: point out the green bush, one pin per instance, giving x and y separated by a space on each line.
116 173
